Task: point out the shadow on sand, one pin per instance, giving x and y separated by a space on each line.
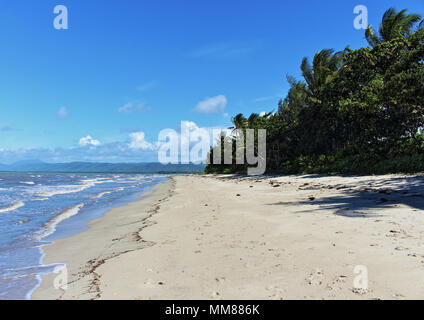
365 202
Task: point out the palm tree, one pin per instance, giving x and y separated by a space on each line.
325 65
239 121
295 100
394 25
251 121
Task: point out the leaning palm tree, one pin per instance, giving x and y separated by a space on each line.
239 122
394 25
324 66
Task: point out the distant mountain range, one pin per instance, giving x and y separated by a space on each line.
93 167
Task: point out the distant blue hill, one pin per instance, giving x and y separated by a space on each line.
93 167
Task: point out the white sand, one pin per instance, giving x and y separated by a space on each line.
293 237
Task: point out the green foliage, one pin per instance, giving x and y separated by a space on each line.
357 111
394 25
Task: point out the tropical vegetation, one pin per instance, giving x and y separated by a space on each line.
355 111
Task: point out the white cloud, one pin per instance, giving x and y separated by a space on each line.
62 113
212 105
125 108
213 132
132 107
262 113
88 141
138 142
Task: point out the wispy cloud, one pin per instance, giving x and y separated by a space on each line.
148 86
212 105
7 128
130 129
220 51
263 99
62 113
132 107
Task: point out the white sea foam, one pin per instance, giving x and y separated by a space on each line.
56 190
27 182
40 199
15 205
99 195
50 226
102 181
65 189
53 191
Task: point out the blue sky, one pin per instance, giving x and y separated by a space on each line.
124 70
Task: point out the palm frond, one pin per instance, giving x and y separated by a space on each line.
371 36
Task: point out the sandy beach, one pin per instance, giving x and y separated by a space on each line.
230 237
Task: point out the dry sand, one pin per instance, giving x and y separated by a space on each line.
226 237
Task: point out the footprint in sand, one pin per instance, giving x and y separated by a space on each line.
337 283
402 234
315 278
220 279
400 248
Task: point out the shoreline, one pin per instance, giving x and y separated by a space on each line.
233 237
145 201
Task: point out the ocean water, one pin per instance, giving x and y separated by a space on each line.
38 208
